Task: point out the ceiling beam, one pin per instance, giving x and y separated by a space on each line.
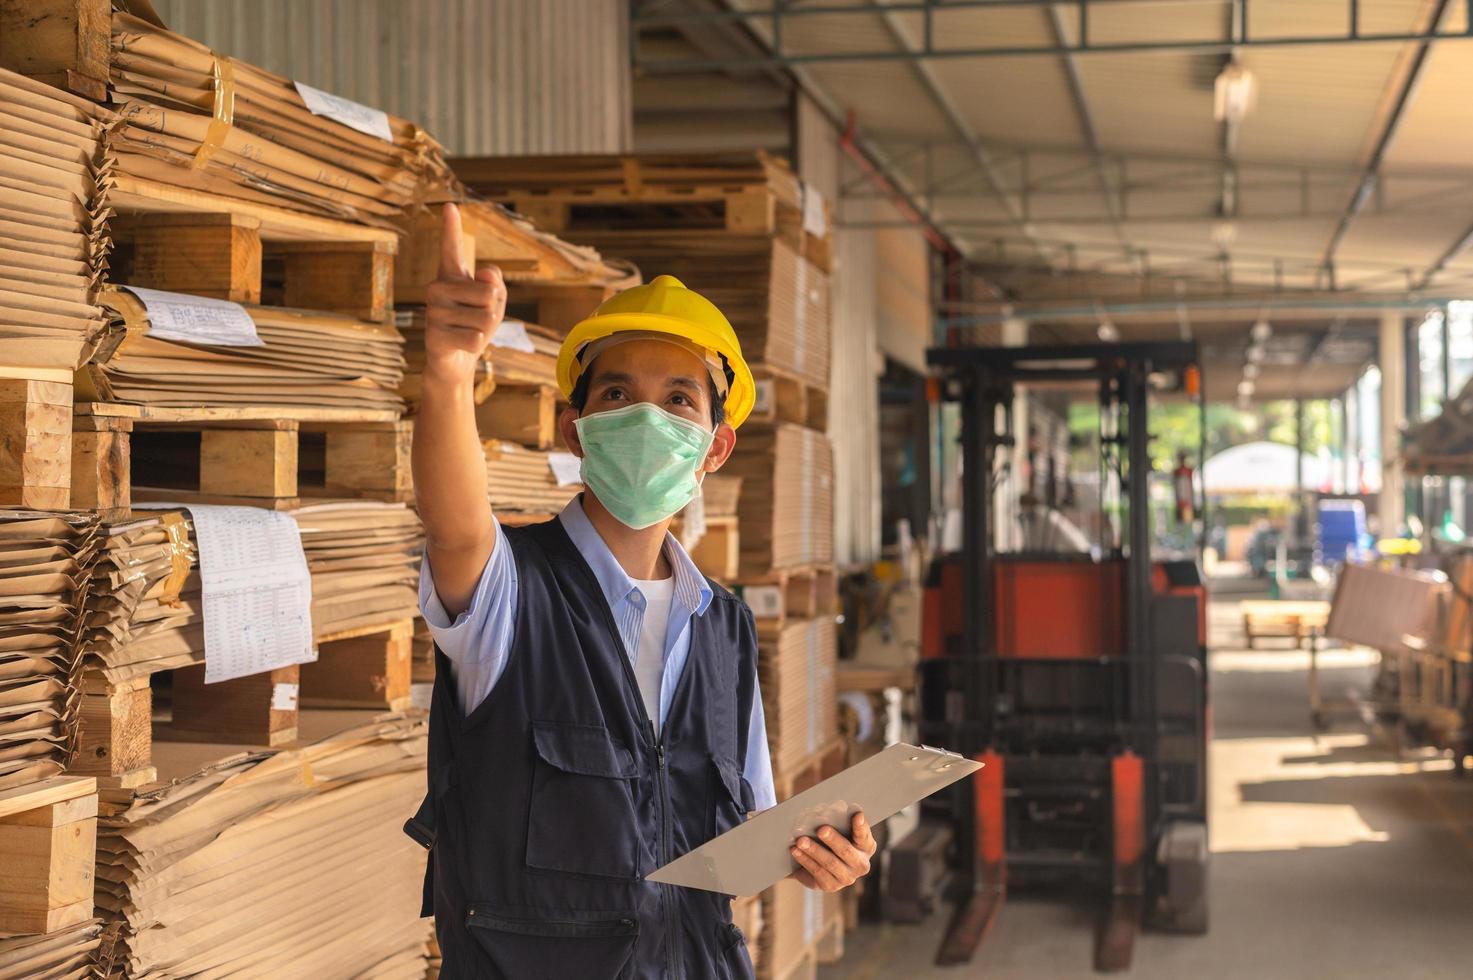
954 118
1453 251
1405 91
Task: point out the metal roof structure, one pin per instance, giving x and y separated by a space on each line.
1117 152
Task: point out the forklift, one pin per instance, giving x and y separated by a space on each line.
1078 680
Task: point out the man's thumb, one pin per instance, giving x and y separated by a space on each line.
487 273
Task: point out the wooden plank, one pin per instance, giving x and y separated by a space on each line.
719 553
35 443
242 710
116 735
248 462
370 461
57 789
524 414
351 278
64 42
368 671
101 462
205 254
241 413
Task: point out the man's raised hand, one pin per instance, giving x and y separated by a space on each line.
463 309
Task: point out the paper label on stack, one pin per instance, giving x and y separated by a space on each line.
255 587
512 334
355 115
197 319
284 697
566 468
765 601
815 221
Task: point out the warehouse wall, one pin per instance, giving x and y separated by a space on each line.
484 76
903 282
854 416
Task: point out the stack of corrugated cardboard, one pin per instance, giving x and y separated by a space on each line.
270 863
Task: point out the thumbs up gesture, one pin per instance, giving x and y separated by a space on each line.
464 308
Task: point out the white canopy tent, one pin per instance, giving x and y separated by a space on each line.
1262 467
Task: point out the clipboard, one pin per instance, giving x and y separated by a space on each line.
748 858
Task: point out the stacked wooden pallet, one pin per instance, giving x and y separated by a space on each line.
745 233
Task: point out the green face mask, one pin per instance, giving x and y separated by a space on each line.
641 461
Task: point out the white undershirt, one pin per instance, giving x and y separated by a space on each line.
649 660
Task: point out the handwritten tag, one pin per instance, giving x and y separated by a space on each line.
354 115
566 468
197 319
512 334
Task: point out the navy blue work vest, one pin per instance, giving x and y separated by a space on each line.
551 801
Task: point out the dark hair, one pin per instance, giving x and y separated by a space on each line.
579 397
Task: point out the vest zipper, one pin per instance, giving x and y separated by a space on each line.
672 939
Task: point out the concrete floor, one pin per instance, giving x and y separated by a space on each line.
1333 858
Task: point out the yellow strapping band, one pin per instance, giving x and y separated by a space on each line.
178 534
224 79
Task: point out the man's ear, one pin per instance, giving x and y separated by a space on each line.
569 431
722 443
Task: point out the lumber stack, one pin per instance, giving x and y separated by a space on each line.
801 929
270 863
523 483
799 694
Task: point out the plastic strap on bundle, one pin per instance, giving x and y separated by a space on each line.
178 534
224 115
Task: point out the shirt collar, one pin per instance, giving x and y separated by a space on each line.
692 590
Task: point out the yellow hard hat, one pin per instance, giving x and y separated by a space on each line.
664 306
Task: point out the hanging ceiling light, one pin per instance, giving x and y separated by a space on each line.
1245 388
1261 331
1234 94
1255 353
1250 370
1107 331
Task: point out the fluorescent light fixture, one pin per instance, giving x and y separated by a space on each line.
1234 94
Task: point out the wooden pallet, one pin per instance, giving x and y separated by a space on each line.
719 551
826 762
365 667
259 455
797 593
746 194
48 841
35 414
222 255
782 396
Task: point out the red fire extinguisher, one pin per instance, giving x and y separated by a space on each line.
1183 484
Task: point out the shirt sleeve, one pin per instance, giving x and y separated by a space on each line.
478 641
758 772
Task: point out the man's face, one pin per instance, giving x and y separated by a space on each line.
665 375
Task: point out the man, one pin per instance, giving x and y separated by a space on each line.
596 711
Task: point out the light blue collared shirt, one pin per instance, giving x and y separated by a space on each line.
478 642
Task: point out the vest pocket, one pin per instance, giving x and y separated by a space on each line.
528 943
735 961
733 797
581 818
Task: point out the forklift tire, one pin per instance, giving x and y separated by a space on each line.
1183 857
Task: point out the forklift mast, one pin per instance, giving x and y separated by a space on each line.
1078 681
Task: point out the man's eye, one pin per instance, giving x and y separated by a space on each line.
613 394
680 399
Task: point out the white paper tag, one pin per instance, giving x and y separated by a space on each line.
421 694
197 319
512 334
284 697
765 391
566 468
766 601
255 588
815 220
355 115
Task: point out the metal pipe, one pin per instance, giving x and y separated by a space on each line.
849 144
686 66
1169 306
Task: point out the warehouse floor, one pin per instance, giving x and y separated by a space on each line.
1332 858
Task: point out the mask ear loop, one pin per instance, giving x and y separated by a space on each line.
693 519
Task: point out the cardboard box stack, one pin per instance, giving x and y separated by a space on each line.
743 231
